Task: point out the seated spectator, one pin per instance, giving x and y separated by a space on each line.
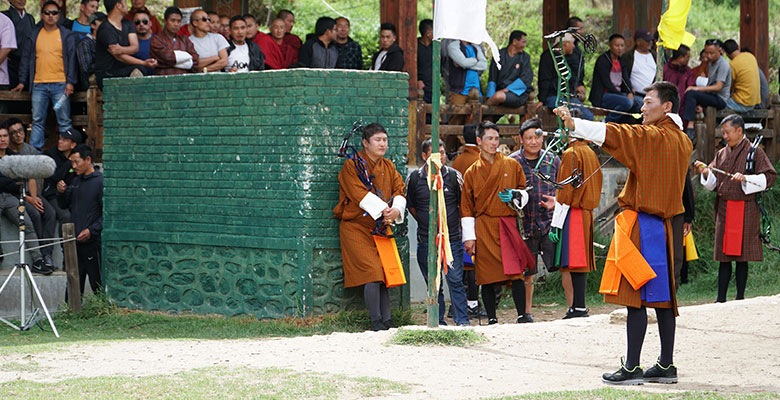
273 45
84 199
140 6
717 91
548 78
85 51
49 69
143 30
745 78
467 61
510 86
174 53
576 63
425 60
319 51
63 172
115 42
677 71
211 47
764 85
224 26
80 25
640 62
611 86
390 57
7 44
24 24
350 53
243 55
702 70
291 40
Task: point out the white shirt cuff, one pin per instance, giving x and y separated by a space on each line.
373 205
399 203
523 198
710 182
594 131
467 225
559 215
754 183
183 59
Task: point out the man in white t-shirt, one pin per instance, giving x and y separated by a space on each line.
211 47
641 62
243 55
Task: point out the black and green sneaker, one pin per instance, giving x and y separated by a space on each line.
624 376
660 374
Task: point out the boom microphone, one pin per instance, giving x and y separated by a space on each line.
27 167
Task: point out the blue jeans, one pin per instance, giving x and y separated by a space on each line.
44 94
695 98
454 281
586 114
737 106
620 102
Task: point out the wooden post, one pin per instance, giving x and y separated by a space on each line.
754 30
433 217
711 123
630 15
555 13
403 14
71 266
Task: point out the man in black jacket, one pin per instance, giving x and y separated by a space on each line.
611 86
63 171
320 50
243 55
390 57
84 198
510 85
548 77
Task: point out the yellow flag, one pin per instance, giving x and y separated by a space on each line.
671 29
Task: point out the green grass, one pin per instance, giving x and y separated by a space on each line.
620 394
208 383
100 320
437 337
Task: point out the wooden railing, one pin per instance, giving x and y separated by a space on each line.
86 113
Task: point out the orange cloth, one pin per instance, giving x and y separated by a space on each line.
479 199
360 257
391 261
624 258
464 160
49 67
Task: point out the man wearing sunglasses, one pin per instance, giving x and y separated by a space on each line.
143 30
140 6
211 47
49 68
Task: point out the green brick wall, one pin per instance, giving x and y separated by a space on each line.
219 188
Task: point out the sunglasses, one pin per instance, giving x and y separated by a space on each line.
141 21
203 19
50 12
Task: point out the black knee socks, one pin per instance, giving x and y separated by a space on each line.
470 282
518 295
667 323
578 282
377 299
636 326
724 277
741 275
489 300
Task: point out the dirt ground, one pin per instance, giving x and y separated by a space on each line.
731 347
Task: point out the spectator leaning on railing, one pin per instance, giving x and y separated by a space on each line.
319 50
115 42
211 47
174 53
350 53
143 30
390 57
243 55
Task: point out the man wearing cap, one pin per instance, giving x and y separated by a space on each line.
640 62
63 171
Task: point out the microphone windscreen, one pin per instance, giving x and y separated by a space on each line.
27 167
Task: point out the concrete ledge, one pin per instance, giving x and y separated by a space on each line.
52 289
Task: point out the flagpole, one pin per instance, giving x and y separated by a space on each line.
433 218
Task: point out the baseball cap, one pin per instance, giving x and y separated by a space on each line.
97 16
643 34
73 134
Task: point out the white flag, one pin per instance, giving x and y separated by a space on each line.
463 20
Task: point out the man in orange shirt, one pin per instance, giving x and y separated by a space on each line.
49 68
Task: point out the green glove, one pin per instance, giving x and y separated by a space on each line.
554 235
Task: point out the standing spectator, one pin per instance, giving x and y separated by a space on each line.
538 213
467 61
611 84
49 69
9 205
143 30
63 18
115 42
745 78
63 171
717 91
736 204
390 57
211 47
425 60
272 45
174 53
24 24
85 51
548 77
350 54
224 26
290 39
251 27
319 51
80 25
243 55
84 198
510 85
138 6
640 62
418 198
42 214
7 44
678 72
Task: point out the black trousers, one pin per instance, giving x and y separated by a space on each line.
89 264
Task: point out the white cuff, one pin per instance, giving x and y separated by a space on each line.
183 59
467 225
559 215
754 184
399 203
710 182
523 198
373 205
594 131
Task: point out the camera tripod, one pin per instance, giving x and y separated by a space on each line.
25 275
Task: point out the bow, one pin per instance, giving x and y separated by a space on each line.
349 152
766 222
561 137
